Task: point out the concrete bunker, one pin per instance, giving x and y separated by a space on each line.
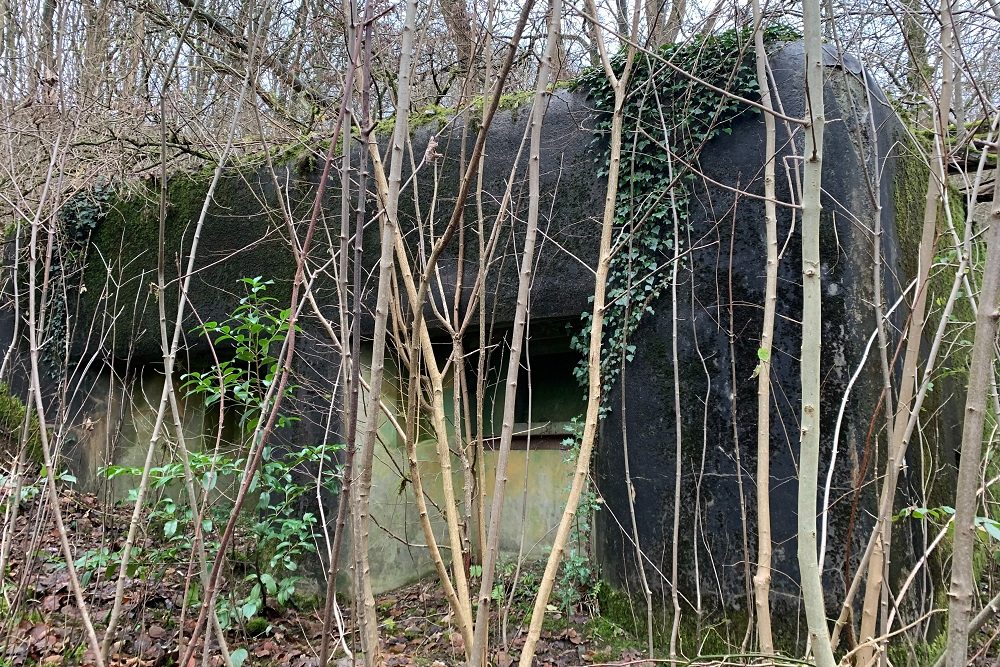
721 282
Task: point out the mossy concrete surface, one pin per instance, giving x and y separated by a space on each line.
241 237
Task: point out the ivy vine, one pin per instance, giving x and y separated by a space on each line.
78 218
666 113
81 213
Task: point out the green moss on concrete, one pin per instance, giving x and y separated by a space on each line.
12 414
439 115
128 238
236 242
909 201
508 102
430 114
909 190
918 652
622 624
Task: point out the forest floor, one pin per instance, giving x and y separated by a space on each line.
43 627
40 621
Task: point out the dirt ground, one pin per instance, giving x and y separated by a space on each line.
41 621
43 627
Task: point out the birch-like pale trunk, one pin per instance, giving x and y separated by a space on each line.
456 591
880 546
367 618
477 656
812 339
351 355
416 292
582 471
966 502
762 578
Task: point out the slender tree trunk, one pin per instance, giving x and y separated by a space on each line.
35 330
460 24
989 610
582 470
168 352
675 538
460 605
46 65
762 578
366 599
675 21
351 359
655 19
492 547
907 410
812 335
980 375
915 38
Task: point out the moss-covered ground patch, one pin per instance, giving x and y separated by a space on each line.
12 416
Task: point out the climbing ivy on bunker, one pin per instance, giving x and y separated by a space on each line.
668 111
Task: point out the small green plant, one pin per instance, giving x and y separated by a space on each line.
239 656
933 514
96 560
32 488
255 331
578 583
171 519
987 528
277 535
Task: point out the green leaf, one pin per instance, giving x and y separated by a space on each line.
991 527
209 480
763 353
248 609
238 657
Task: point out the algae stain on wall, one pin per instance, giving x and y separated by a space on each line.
116 425
537 483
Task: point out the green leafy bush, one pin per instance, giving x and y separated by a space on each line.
275 535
